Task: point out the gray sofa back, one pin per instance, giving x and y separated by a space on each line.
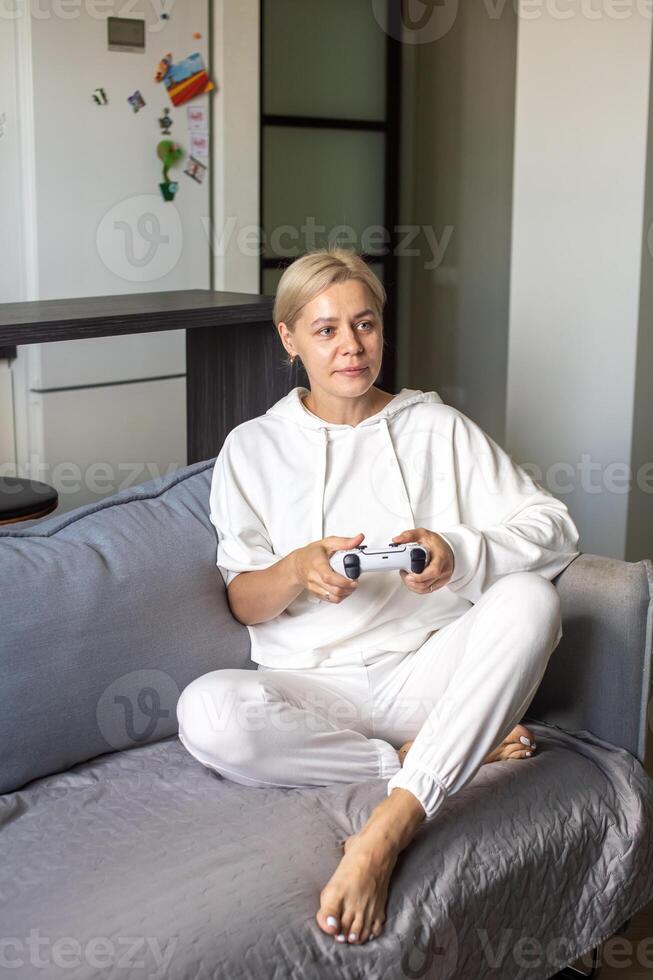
599 676
107 612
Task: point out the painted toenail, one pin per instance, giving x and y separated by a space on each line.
331 920
341 938
353 936
524 740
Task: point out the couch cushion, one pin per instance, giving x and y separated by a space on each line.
151 865
107 612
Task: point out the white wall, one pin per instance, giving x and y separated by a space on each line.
13 286
582 110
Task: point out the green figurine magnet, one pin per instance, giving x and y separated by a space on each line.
169 153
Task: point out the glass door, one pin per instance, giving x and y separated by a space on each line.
330 141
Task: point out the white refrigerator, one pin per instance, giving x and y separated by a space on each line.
95 416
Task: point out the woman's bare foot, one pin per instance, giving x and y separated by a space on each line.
352 903
511 748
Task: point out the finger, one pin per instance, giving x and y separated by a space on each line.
334 579
419 588
432 573
411 534
337 585
336 543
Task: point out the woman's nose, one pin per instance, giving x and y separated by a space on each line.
354 344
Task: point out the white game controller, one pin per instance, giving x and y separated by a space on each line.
352 562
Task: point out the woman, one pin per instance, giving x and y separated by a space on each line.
414 678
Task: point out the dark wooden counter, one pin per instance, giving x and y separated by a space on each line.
106 316
235 361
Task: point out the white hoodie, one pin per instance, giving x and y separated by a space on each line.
288 478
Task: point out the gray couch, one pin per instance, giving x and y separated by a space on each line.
122 856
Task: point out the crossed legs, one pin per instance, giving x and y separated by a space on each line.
457 697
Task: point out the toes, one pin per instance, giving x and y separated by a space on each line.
328 918
356 929
376 930
522 735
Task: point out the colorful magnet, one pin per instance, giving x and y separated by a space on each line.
163 68
136 101
199 144
195 169
185 80
197 119
169 189
100 96
169 153
165 122
197 35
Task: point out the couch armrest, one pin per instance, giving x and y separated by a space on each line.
598 678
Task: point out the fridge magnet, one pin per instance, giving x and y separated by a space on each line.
163 67
165 122
169 153
195 169
184 80
197 119
168 189
199 144
100 96
197 36
136 101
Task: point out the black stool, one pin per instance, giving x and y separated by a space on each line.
25 500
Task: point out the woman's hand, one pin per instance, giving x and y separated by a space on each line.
439 569
315 573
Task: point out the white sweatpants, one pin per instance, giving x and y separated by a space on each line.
457 696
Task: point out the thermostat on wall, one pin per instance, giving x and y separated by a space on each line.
126 34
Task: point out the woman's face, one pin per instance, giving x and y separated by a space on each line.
337 330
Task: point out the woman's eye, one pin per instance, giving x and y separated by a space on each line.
363 323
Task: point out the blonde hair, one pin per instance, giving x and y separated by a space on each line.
311 274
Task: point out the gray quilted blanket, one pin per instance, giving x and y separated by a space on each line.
144 864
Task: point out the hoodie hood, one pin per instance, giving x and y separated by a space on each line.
291 409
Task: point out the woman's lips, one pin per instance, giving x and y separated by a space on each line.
353 370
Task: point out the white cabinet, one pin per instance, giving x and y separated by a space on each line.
91 442
103 360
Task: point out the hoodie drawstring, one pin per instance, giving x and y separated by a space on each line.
320 487
400 477
318 514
